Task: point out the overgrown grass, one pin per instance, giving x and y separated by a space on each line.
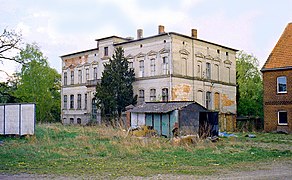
104 151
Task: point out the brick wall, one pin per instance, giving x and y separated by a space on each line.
274 102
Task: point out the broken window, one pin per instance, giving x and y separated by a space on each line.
282 84
65 102
141 95
152 94
79 76
72 77
164 94
78 101
65 78
78 121
71 101
152 67
208 100
71 120
282 118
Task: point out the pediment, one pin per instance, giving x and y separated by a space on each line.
227 62
152 53
163 51
71 66
140 55
184 52
200 55
94 63
86 64
209 57
65 68
130 56
217 59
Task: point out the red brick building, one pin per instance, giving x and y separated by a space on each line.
277 78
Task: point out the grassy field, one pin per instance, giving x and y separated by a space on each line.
90 151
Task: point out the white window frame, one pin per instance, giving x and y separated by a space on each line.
279 118
281 92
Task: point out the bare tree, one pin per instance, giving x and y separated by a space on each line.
9 40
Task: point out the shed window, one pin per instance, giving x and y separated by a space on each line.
164 94
282 118
152 94
282 84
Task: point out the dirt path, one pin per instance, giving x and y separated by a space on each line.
274 170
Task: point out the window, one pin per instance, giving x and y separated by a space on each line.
152 67
228 71
78 121
152 94
87 74
72 77
95 73
131 65
94 109
165 65
184 67
227 56
65 78
79 76
78 101
65 102
208 50
141 66
85 101
282 118
105 51
216 73
71 120
208 100
217 101
164 94
208 70
141 95
282 84
71 101
199 72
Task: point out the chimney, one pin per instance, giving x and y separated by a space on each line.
139 33
194 33
160 29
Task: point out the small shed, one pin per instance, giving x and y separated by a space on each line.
168 117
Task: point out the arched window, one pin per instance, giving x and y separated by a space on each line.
71 120
78 121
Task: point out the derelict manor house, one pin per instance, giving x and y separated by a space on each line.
168 67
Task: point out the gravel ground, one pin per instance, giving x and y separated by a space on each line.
275 170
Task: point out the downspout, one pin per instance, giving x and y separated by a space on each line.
193 56
170 68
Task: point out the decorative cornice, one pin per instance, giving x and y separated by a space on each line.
200 55
184 52
163 51
227 62
152 53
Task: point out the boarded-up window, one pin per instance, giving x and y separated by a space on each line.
217 101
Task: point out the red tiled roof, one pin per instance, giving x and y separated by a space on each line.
281 56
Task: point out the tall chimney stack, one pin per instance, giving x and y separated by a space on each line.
160 29
194 33
139 33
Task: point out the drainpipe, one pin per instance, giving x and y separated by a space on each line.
193 56
170 68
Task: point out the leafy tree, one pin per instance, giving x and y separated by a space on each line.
115 91
6 92
250 86
39 83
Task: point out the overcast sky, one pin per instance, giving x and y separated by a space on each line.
60 27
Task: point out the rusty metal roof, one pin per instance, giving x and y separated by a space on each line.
163 107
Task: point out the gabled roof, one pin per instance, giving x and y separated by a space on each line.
281 55
164 107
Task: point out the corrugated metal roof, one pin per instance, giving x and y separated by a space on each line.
162 107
